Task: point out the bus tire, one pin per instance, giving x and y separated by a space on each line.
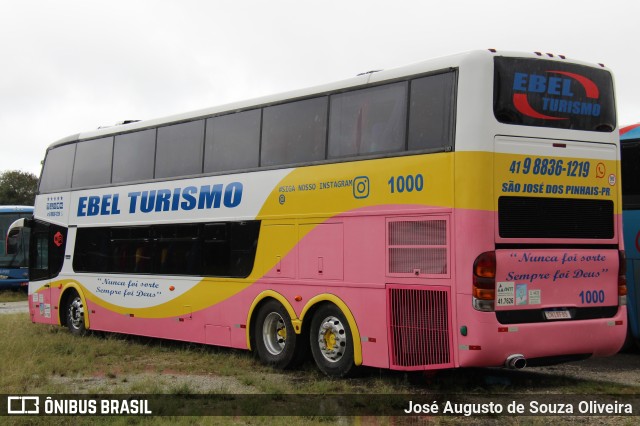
276 342
332 342
75 314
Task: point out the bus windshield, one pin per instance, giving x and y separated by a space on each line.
535 92
14 249
7 260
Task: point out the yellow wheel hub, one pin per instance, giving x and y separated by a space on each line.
330 340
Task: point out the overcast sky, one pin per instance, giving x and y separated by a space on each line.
69 66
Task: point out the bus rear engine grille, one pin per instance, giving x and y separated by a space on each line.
420 328
534 217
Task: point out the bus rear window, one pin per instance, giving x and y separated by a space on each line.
537 92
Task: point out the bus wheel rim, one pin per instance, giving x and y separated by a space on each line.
76 313
274 333
332 339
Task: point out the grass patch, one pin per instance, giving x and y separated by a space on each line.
47 358
42 359
12 296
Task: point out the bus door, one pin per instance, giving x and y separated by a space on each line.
46 256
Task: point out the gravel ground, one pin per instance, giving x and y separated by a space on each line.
623 368
14 307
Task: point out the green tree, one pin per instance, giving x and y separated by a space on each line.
18 188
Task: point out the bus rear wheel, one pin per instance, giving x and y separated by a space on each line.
276 342
332 342
75 314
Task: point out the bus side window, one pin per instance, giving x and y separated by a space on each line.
221 249
431 112
216 249
176 249
133 156
179 149
86 170
232 141
244 243
294 132
91 251
58 168
368 121
143 259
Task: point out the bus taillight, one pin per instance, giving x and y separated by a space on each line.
484 282
622 278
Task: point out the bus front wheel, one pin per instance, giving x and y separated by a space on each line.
75 314
332 342
276 342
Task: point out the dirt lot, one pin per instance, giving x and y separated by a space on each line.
623 368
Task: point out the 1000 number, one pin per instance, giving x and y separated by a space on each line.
592 296
408 183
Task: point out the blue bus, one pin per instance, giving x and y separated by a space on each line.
630 147
14 259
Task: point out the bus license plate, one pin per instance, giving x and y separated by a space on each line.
557 315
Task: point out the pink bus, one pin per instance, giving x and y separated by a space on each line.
462 211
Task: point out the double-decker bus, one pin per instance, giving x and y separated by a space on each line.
630 148
14 273
463 211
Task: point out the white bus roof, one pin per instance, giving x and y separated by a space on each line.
423 67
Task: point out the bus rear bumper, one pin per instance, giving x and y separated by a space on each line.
488 343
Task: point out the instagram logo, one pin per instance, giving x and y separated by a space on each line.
361 187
